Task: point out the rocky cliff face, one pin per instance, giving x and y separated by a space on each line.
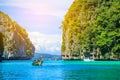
91 28
14 41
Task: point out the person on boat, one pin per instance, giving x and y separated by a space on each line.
37 62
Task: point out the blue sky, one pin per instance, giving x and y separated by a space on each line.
41 18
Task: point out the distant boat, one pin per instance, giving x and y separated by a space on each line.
56 59
88 59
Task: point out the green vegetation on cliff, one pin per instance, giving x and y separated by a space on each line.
14 41
91 28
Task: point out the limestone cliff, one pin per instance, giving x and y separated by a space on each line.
14 41
91 28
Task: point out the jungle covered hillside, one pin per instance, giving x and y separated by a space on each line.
91 28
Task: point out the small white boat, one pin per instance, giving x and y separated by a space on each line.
88 59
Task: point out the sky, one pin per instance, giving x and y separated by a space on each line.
41 19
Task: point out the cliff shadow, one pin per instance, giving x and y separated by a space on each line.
1 45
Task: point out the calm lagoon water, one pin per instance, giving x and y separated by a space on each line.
60 70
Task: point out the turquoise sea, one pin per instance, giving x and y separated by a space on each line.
60 70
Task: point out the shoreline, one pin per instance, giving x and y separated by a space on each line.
94 60
55 60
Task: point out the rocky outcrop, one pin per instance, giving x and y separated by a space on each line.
91 28
14 41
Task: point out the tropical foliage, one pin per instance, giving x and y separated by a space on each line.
92 27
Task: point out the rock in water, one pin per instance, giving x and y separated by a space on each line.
14 41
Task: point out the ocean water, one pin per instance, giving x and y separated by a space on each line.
60 70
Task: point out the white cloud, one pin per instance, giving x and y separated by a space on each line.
47 43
